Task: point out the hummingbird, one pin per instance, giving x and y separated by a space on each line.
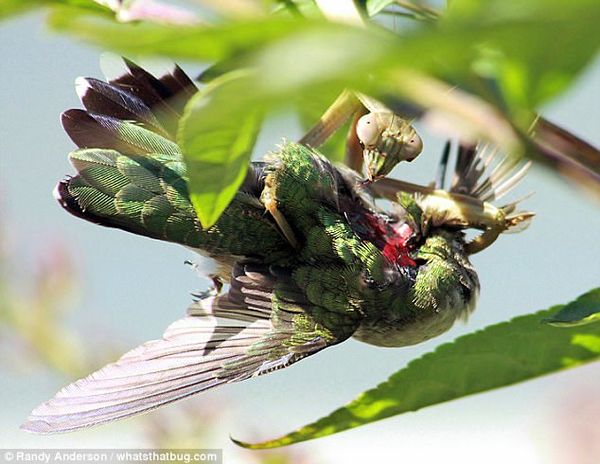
306 258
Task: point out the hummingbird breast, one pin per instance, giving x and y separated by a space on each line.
422 306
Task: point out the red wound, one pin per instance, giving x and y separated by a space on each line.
392 240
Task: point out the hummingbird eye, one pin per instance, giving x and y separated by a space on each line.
367 129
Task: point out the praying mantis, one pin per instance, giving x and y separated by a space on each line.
380 139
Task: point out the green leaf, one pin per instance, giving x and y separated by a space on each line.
514 40
584 310
14 7
201 42
10 8
375 6
497 356
217 142
505 40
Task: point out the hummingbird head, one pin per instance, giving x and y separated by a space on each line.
442 244
387 139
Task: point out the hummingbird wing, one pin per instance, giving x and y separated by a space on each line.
262 324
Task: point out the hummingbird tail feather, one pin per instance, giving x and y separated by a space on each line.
92 130
136 95
479 172
130 170
135 193
147 195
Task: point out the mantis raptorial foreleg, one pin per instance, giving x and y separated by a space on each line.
344 106
354 147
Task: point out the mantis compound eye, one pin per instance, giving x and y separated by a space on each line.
368 130
412 147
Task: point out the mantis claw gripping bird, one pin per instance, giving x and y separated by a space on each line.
388 278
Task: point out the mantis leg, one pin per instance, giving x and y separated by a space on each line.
334 117
354 149
271 206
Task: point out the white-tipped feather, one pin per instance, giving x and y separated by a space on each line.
81 87
509 182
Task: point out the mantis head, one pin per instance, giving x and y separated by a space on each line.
387 139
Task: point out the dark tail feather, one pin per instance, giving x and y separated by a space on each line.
479 172
119 111
89 130
440 177
165 96
105 99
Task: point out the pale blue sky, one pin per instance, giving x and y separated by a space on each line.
133 287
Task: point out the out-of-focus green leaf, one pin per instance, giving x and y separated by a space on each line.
14 7
518 43
217 141
375 6
584 310
508 42
497 356
200 42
